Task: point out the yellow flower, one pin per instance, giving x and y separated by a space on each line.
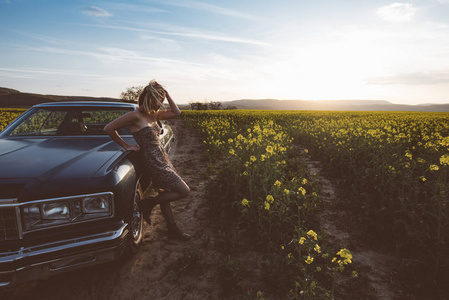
277 183
312 234
302 191
306 151
289 255
245 173
230 140
302 240
421 160
231 151
252 158
408 154
304 181
270 199
269 149
345 253
434 168
309 260
262 157
317 248
267 205
245 202
355 274
346 256
444 159
287 191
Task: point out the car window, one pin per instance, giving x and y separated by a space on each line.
95 120
68 121
42 122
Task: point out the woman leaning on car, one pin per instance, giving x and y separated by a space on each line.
143 123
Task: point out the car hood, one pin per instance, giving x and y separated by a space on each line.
55 157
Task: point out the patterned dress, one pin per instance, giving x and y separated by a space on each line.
155 159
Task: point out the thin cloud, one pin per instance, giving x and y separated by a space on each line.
212 9
114 54
44 38
419 78
134 7
162 44
38 73
397 12
170 30
215 37
96 12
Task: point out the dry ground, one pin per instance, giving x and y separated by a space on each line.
379 270
165 269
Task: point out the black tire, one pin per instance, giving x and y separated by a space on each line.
135 221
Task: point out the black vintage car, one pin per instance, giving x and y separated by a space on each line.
68 193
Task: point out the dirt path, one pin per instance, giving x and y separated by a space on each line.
378 269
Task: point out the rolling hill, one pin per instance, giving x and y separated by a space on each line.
14 98
341 105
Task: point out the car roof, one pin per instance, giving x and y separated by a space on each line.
87 104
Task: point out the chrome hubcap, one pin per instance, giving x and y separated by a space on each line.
137 219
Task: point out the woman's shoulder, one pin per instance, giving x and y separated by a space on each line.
142 115
133 115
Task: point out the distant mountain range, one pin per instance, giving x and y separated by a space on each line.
342 105
14 98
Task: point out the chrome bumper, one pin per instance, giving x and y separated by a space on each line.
45 260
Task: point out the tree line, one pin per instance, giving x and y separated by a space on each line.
131 95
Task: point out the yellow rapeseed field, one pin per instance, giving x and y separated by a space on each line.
7 115
391 168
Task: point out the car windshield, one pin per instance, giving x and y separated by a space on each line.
63 121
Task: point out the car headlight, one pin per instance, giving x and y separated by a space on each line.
98 204
67 210
56 211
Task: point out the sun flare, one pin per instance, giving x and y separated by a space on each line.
326 71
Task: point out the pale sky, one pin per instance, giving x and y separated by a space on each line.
228 50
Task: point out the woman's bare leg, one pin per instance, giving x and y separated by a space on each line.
180 191
167 212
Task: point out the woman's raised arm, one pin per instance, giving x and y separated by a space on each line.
126 120
173 112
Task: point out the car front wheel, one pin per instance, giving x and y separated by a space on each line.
135 221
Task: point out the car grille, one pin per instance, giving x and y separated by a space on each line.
8 224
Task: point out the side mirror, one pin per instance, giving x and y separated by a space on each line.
160 126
